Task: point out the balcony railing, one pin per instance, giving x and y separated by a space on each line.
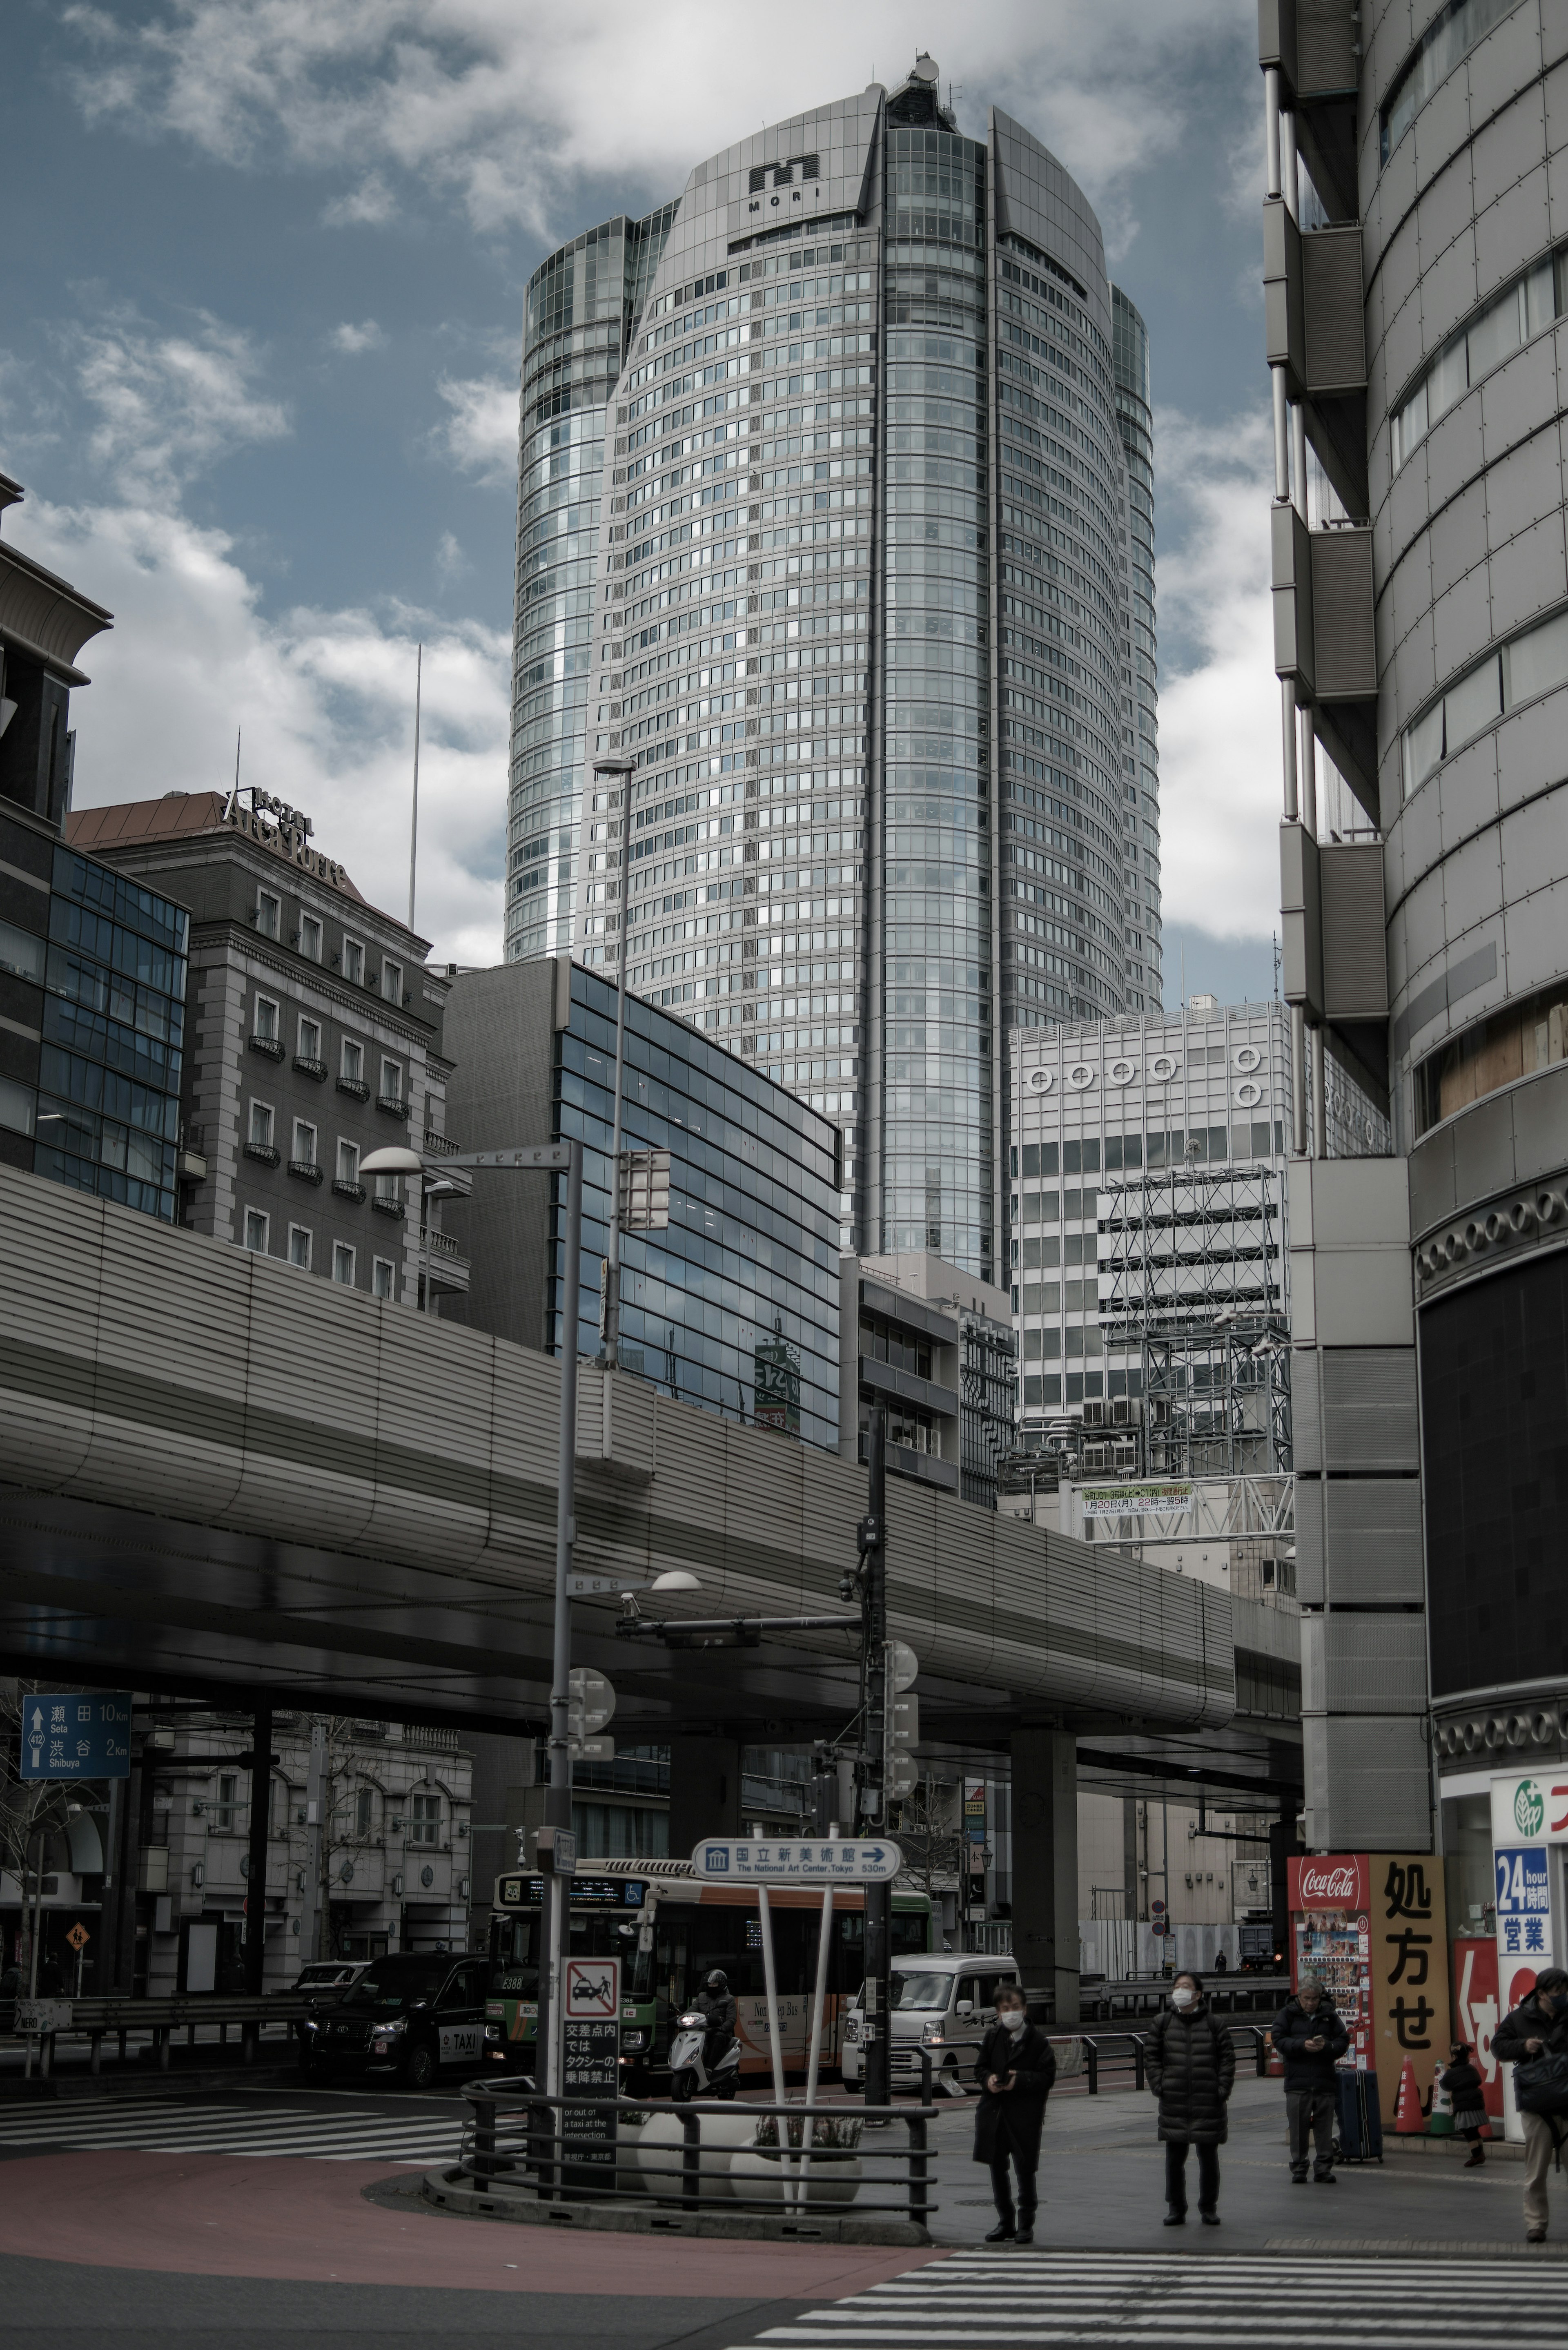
355 1086
388 1207
347 1190
271 1046
264 1152
306 1170
440 1145
394 1104
309 1068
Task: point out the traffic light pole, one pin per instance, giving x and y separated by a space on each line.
876 2024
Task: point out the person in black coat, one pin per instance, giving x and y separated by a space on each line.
1015 2069
1462 2084
1538 2026
1312 2039
1189 2063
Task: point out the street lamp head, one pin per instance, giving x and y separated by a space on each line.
678 1578
615 766
395 1160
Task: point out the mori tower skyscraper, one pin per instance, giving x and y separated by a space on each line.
836 515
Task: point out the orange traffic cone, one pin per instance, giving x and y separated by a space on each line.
1410 2121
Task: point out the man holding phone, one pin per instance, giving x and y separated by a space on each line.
1311 2038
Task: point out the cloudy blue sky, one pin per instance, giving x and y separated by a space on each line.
258 366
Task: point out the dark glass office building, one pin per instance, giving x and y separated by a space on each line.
734 1306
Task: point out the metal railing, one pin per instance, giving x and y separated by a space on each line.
1104 2050
94 2020
520 2138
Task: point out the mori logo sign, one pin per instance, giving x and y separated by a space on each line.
1333 1881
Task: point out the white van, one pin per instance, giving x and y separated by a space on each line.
949 2000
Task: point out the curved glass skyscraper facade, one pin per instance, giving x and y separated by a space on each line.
1139 652
581 307
864 597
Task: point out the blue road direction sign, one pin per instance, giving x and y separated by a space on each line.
795 1860
75 1735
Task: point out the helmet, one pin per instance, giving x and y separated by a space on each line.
717 1980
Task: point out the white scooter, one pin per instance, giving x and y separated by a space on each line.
688 2075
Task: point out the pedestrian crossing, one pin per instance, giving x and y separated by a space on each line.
234 2127
1209 2301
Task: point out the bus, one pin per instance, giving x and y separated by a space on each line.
669 1928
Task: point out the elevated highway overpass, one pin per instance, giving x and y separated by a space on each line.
223 1478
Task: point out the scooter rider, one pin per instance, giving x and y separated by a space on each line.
716 2002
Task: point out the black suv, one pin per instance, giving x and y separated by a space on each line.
407 2018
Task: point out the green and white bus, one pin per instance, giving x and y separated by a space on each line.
669 1928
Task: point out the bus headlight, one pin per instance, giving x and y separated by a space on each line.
633 2042
492 2032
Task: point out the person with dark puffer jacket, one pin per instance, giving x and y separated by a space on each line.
1189 2063
1538 2026
1311 2037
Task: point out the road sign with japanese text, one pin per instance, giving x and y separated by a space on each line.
790 1860
75 1734
590 2066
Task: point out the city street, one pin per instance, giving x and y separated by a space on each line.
266 2216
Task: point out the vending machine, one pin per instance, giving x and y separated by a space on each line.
1373 1926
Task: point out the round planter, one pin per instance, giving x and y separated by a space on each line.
721 2131
629 2177
757 2176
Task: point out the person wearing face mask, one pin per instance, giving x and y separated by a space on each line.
1189 2063
1537 2027
1312 2039
1015 2069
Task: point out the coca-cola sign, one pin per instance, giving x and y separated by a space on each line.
1335 1880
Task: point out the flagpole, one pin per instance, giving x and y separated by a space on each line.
414 817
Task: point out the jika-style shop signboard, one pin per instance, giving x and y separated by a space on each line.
1374 1927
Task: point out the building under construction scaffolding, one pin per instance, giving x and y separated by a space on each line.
1193 1285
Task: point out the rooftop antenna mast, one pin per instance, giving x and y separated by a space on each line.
234 795
414 816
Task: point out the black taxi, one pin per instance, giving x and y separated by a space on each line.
409 2018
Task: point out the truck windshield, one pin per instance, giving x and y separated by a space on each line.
399 1982
921 1991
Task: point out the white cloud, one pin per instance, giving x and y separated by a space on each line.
480 435
168 405
370 205
351 339
450 560
1218 707
503 102
325 700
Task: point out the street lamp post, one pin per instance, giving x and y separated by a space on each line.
624 769
551 1156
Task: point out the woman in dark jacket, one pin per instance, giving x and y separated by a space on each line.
1190 2065
1015 2069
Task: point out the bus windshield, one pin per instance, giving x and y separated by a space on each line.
516 1945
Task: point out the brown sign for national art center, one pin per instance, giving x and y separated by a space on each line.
287 841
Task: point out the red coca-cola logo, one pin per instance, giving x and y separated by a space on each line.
1335 1883
1335 1880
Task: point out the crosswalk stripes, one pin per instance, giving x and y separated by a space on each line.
158 2125
1202 2303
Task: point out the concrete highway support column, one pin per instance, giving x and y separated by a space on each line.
704 1792
1045 1865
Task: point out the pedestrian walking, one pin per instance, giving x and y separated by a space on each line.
1537 2029
1311 2038
1463 2084
1015 2069
1190 2065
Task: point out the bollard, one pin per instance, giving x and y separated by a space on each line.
1138 2061
1092 2056
926 2077
95 2050
919 2183
162 2038
691 2156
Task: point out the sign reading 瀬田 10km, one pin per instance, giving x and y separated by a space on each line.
1132 1499
75 1734
794 1861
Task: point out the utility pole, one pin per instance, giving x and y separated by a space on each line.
872 1539
557 1910
315 1796
255 1878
